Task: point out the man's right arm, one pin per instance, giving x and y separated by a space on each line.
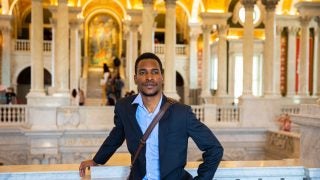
109 146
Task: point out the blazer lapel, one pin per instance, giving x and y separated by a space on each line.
133 120
163 128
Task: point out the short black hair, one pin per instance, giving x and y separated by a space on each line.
147 55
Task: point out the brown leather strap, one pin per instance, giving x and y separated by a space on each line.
154 122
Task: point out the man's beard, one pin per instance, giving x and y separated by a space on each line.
150 94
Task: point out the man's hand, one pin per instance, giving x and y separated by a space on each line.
84 165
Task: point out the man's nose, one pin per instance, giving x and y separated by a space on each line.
149 76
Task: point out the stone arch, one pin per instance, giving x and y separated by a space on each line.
180 86
23 83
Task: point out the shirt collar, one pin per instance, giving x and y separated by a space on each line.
138 100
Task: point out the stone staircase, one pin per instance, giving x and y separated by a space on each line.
94 89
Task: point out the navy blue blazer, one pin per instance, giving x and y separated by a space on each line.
175 127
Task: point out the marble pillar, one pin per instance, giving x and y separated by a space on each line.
6 29
147 36
206 68
304 57
291 68
170 50
316 70
222 61
75 54
193 55
62 50
270 88
37 66
276 63
131 54
247 47
75 47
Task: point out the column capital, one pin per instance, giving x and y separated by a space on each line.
147 2
170 2
248 4
206 28
194 30
279 29
293 30
75 23
317 20
222 29
270 4
305 20
5 21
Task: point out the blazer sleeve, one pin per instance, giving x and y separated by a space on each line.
206 142
112 142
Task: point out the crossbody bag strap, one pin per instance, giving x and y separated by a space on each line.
154 122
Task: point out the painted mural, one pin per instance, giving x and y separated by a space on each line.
103 40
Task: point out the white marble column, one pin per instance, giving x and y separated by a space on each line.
147 36
131 53
222 60
206 68
316 65
248 45
193 55
62 50
276 63
75 47
37 75
170 48
270 88
304 57
5 28
291 68
75 54
53 22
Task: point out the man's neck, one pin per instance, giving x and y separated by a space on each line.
151 102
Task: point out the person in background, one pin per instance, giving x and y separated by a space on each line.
81 97
10 96
164 155
74 98
118 85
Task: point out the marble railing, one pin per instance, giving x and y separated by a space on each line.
24 45
181 49
239 170
73 116
13 115
290 109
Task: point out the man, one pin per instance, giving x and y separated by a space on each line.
165 153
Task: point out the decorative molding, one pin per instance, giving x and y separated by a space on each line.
147 2
248 4
270 4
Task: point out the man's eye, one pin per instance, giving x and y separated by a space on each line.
142 73
155 72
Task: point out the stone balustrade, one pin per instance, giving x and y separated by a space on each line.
240 170
22 45
13 115
74 117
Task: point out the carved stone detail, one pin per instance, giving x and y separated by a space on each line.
270 4
248 4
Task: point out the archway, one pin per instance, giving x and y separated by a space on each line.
180 86
24 83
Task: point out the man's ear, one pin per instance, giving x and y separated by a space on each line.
135 78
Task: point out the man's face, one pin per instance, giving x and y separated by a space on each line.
149 78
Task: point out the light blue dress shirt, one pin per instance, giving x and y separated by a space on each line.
144 119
